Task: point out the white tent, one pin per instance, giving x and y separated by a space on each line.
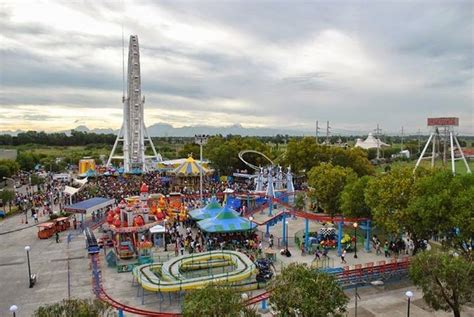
81 182
370 143
157 229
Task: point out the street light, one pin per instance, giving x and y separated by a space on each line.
200 139
250 229
13 309
355 239
409 295
286 223
164 235
27 249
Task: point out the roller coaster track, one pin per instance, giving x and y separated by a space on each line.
241 157
101 294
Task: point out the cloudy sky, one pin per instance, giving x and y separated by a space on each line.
258 63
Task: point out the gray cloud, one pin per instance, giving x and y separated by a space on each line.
384 62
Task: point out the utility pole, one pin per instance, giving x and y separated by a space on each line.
317 131
377 132
445 145
402 140
327 133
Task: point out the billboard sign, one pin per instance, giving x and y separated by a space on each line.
449 121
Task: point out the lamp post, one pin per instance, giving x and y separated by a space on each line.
164 235
27 249
13 309
355 239
409 295
200 139
286 224
250 229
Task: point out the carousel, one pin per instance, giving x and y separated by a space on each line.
187 174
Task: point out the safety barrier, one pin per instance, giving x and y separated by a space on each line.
360 274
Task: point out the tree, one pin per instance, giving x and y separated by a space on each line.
27 161
223 153
328 182
4 172
299 289
388 196
353 200
76 307
9 168
213 301
304 154
7 196
190 149
446 280
36 180
300 201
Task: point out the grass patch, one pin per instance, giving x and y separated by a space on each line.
459 165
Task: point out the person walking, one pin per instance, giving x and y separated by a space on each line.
57 237
317 255
343 255
377 248
270 241
385 250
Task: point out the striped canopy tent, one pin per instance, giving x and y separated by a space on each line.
187 173
226 221
209 211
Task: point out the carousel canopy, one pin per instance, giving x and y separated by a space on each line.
190 167
210 211
226 221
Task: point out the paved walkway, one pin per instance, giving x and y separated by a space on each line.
49 260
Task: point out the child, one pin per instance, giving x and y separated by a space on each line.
343 255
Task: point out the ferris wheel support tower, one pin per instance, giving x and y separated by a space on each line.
133 133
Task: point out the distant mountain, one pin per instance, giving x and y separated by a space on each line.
167 130
83 128
164 129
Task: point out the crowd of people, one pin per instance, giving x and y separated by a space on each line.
185 237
